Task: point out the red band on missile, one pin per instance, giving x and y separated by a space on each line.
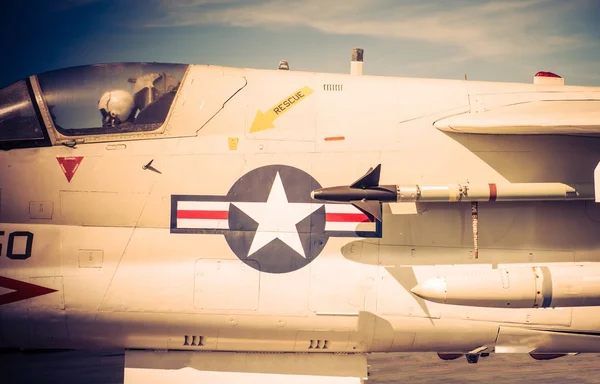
493 192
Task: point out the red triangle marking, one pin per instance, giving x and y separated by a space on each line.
69 165
22 290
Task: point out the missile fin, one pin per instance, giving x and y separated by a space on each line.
371 208
369 179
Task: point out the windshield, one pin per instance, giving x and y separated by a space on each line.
18 118
111 98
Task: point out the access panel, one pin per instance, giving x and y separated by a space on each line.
225 285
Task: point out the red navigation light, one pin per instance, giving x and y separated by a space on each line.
547 74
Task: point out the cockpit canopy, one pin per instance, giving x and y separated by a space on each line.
18 117
90 100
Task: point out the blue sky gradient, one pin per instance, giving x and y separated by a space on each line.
488 40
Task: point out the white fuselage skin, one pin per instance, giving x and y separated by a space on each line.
122 279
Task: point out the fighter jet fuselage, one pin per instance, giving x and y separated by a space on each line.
151 206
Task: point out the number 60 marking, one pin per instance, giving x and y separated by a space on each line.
10 246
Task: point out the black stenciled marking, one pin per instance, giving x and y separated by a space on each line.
28 246
288 102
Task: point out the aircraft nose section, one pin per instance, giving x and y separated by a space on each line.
433 290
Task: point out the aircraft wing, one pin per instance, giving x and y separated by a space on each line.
143 366
560 117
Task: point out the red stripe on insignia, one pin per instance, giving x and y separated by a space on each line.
347 217
214 215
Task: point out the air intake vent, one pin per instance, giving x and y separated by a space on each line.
193 341
319 344
333 87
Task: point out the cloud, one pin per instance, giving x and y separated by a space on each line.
476 29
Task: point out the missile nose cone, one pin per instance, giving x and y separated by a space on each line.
432 290
318 194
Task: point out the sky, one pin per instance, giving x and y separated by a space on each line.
500 40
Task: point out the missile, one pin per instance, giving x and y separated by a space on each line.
367 195
517 287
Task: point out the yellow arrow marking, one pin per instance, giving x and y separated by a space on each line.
264 120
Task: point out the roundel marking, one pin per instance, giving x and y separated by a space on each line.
273 222
269 220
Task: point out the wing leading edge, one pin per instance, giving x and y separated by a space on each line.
559 117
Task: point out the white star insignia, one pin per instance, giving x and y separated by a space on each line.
277 218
